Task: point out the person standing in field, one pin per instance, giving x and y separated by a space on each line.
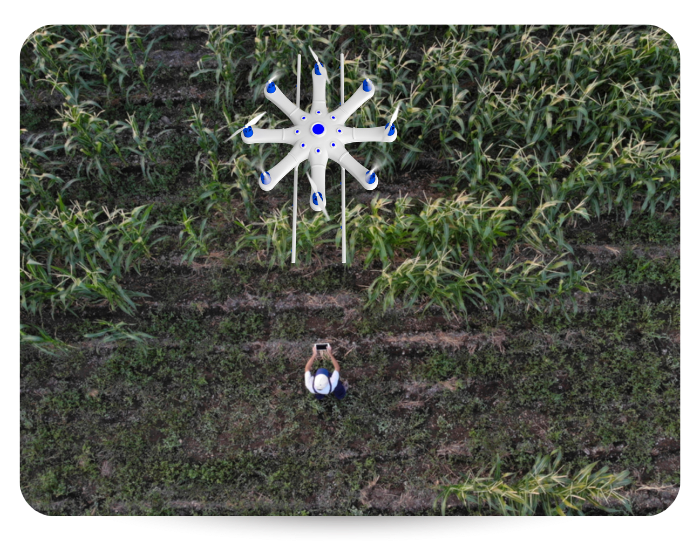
323 383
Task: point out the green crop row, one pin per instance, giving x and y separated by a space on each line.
77 254
89 57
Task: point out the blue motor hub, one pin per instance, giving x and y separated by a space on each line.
320 195
367 85
271 87
370 177
392 130
317 70
248 131
265 178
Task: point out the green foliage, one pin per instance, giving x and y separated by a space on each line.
547 488
113 332
633 270
41 341
195 241
648 230
70 255
224 47
90 57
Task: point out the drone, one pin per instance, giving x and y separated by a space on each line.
317 136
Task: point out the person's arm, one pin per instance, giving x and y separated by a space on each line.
311 360
336 366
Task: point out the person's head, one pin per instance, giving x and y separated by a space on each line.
320 382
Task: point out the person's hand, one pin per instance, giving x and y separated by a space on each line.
329 350
315 353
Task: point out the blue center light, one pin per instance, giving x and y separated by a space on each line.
318 129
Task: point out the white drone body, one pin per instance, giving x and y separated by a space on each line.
317 136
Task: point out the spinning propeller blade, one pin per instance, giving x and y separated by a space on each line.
390 125
396 114
252 122
320 67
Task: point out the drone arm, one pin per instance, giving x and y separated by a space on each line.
347 161
282 135
295 157
319 97
354 103
293 112
378 133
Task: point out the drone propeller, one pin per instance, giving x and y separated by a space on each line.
320 67
390 126
314 190
252 122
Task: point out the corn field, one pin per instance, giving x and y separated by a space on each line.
512 286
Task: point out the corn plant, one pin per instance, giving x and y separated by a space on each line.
274 234
91 139
144 145
208 142
114 332
225 48
242 169
42 341
71 256
195 240
139 51
424 282
548 488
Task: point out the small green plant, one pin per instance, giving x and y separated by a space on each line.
225 48
42 341
91 138
547 488
195 241
113 332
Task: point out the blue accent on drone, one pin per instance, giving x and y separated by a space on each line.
265 176
317 70
271 88
314 197
372 178
392 131
318 129
248 131
366 86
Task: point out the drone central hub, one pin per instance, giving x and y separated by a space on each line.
318 129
